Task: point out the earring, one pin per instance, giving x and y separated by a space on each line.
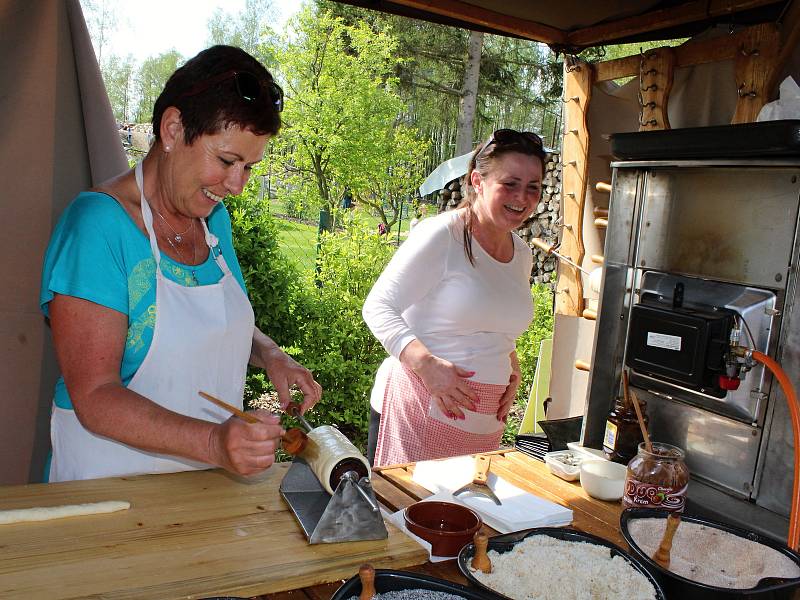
167 148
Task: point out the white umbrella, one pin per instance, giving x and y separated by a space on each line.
444 173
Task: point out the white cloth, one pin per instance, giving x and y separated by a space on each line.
202 341
519 509
468 315
787 106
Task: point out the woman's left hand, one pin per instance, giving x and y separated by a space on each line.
284 371
507 400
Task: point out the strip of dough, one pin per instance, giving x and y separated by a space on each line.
45 513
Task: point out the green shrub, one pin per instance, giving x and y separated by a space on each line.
332 338
271 279
528 353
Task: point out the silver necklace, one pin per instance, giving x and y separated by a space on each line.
180 254
178 237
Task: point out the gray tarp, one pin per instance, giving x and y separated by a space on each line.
58 137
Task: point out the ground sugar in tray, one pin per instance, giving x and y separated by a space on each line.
712 556
546 568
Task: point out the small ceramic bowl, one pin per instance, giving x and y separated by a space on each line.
603 479
447 526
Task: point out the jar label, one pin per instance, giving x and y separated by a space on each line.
610 437
648 495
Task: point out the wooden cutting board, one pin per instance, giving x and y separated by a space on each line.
187 535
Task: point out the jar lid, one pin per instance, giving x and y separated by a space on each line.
662 450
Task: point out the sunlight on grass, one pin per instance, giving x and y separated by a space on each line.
298 242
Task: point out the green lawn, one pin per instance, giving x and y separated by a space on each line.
299 242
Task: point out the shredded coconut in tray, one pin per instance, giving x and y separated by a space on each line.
713 556
544 568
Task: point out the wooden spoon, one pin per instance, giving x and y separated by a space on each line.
367 576
661 555
635 401
481 561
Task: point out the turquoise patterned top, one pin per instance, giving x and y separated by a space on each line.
99 254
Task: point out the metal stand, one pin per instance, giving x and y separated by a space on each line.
350 515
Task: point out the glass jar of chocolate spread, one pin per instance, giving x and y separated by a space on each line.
623 434
657 479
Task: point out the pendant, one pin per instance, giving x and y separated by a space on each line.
178 238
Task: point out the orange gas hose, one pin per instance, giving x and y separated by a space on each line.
794 411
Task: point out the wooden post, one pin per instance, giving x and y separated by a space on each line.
574 155
756 58
655 81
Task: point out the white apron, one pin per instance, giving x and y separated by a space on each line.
201 341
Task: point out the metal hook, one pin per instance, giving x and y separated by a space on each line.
572 163
652 86
650 104
743 94
559 223
650 72
574 131
573 99
649 122
753 52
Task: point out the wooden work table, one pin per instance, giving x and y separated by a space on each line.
203 533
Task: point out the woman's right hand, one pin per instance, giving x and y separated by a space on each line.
446 382
246 448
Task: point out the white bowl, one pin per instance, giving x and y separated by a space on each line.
603 479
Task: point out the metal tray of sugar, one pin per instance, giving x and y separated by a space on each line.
507 543
395 583
676 586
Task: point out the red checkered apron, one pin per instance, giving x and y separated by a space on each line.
408 434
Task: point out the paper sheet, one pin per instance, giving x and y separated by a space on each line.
519 509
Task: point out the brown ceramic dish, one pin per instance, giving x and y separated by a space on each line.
447 526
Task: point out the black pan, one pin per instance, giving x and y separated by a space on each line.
387 580
685 589
504 543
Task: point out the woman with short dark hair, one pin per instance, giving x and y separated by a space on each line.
146 299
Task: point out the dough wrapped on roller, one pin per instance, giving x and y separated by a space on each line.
330 455
45 513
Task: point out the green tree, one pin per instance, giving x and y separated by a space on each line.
150 80
101 19
118 78
343 124
247 29
514 88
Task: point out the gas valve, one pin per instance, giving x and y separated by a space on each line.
738 360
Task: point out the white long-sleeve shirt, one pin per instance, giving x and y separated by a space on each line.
469 315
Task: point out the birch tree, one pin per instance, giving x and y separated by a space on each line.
469 94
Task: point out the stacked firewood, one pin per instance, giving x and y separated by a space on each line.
540 224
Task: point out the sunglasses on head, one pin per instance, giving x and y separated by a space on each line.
506 137
248 86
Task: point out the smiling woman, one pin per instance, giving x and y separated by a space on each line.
448 309
146 298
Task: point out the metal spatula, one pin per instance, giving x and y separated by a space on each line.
479 484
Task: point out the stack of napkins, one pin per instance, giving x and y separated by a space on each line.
519 509
398 520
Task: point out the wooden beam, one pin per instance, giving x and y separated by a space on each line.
575 157
489 18
696 10
790 37
724 47
655 82
754 64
